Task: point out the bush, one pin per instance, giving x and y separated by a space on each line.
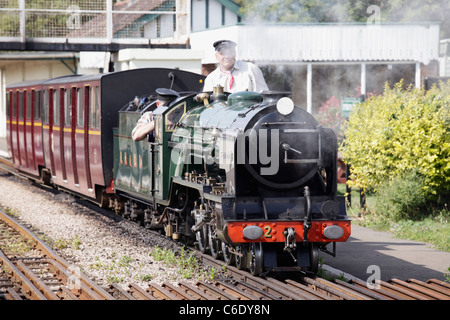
403 131
401 198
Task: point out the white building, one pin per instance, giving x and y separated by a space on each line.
444 58
320 60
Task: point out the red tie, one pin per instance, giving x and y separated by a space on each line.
231 79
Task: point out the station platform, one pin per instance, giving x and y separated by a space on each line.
396 258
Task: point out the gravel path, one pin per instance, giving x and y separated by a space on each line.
105 250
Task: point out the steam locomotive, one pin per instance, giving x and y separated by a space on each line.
248 177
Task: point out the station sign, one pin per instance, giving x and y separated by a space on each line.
348 104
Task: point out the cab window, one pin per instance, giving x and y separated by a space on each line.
174 115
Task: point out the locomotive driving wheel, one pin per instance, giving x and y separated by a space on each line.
228 257
214 243
256 262
241 257
202 239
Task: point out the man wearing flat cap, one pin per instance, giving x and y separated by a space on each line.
234 75
146 124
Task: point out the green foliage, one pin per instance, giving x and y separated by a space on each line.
185 263
289 10
432 229
313 11
400 132
403 198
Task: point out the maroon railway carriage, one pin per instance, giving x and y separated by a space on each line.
61 130
24 126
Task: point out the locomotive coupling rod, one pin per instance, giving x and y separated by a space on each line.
307 220
232 250
198 227
166 211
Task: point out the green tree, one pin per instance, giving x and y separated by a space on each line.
419 11
290 10
403 131
310 11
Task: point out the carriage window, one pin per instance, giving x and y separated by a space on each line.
56 108
37 104
80 108
87 102
8 101
47 106
20 105
29 105
95 108
14 105
67 107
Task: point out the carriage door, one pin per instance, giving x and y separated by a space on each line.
25 138
75 102
48 128
13 124
19 121
9 124
87 96
29 119
63 111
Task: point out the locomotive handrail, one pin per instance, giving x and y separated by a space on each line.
302 130
307 220
283 123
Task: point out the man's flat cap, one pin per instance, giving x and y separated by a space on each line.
165 94
224 44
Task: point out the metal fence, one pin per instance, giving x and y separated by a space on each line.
92 20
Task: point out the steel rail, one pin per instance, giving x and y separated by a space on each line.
88 286
236 284
28 287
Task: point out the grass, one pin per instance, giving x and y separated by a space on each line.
117 267
186 265
432 229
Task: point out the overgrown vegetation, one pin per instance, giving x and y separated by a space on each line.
186 264
118 268
398 145
398 134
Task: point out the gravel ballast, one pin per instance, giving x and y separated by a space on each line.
105 250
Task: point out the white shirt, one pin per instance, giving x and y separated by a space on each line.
246 76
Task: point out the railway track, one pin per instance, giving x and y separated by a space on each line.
30 270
